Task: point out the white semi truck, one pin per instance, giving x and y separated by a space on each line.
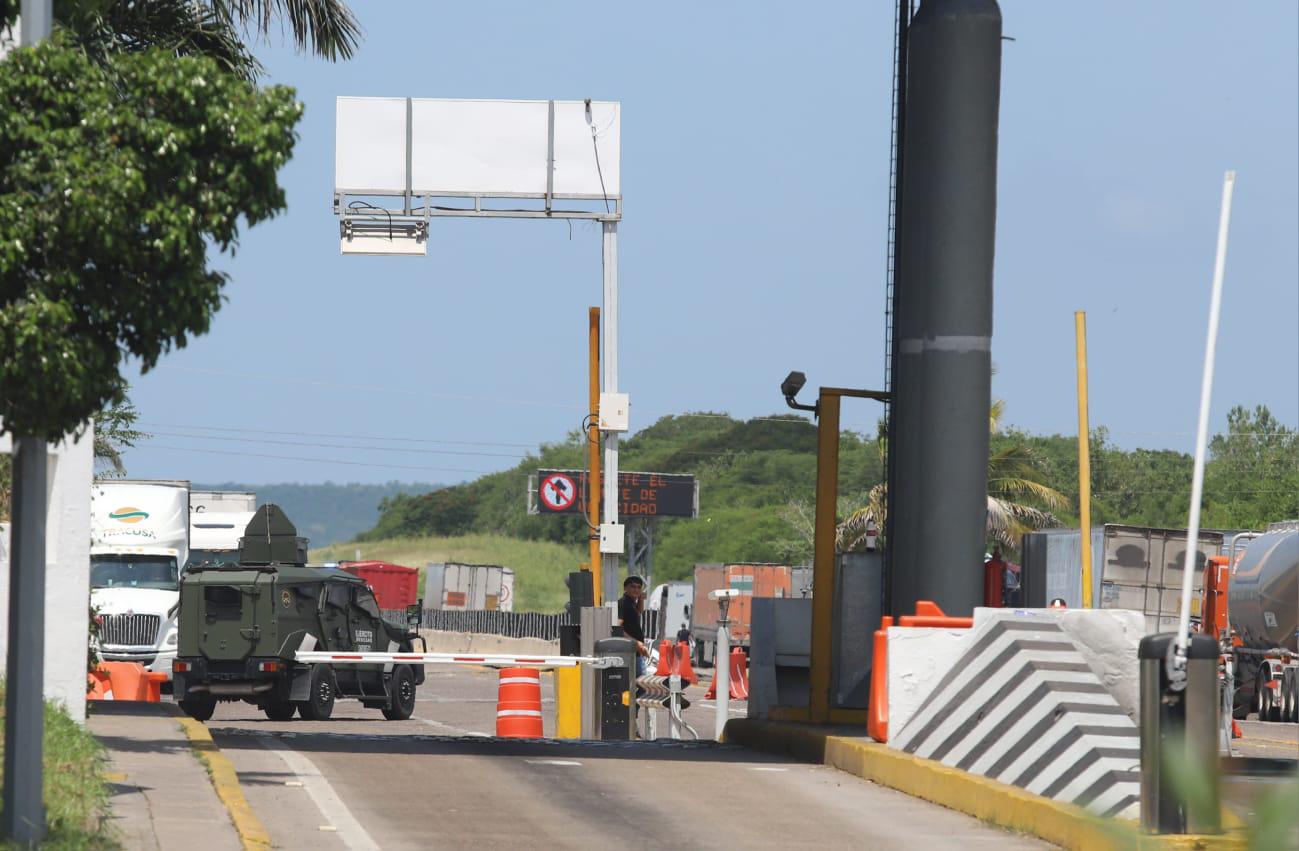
217 520
139 544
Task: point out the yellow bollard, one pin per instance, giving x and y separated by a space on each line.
568 703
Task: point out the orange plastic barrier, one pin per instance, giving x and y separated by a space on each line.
877 716
518 704
124 681
739 677
674 660
99 686
684 668
927 614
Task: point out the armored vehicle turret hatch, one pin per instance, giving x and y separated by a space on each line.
242 625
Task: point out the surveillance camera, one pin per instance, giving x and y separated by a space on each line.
723 594
792 384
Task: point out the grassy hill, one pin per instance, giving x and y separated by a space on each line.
757 475
539 566
749 472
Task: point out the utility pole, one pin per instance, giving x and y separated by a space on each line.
23 820
1084 459
593 453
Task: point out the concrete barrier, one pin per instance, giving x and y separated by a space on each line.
1026 697
472 642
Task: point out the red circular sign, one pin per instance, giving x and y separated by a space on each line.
557 492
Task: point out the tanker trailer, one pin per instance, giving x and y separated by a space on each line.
1263 607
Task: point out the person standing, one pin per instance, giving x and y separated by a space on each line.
630 606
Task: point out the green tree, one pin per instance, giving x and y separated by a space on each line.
1252 476
114 180
115 432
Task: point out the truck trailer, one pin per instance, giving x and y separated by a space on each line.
217 520
750 580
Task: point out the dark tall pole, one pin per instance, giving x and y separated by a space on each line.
23 819
943 320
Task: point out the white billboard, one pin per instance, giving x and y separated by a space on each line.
484 148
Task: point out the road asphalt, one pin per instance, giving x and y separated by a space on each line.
440 780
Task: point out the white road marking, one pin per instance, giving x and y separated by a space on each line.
449 730
766 768
553 762
327 801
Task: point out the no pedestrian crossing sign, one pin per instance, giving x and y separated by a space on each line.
640 494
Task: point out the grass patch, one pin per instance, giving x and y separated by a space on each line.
539 566
76 794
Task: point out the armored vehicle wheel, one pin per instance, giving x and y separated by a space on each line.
401 695
199 707
323 688
279 710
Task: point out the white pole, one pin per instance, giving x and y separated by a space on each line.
609 364
1177 673
36 21
722 674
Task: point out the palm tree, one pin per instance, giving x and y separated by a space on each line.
1014 472
218 29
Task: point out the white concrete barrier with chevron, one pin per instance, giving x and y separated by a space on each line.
1021 705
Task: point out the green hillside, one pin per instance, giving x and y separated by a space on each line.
749 472
757 479
539 566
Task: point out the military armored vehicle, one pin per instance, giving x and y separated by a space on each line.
242 625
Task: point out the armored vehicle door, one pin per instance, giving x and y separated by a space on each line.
335 603
232 624
367 622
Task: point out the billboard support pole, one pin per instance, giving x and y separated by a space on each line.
610 365
593 452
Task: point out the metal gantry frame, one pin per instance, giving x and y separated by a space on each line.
371 212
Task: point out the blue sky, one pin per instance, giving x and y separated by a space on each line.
755 166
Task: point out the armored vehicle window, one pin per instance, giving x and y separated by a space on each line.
365 602
337 595
222 602
307 592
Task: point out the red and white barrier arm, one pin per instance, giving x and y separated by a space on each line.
367 658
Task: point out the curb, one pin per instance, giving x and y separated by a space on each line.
252 833
987 800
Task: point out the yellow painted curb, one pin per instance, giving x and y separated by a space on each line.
252 834
985 799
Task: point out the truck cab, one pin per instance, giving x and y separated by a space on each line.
139 544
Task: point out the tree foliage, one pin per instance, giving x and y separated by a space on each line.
218 29
114 179
757 488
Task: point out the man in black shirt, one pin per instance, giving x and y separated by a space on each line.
630 606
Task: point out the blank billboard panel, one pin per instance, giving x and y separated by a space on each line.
488 148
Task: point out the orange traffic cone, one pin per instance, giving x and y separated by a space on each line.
518 704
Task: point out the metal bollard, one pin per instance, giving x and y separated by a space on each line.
1179 739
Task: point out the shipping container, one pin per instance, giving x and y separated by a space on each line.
751 580
395 586
476 587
